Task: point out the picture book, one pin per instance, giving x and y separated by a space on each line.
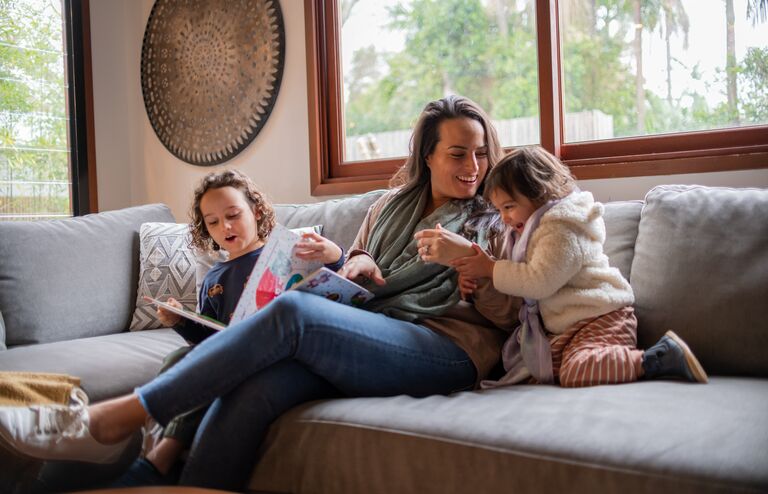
278 270
194 316
330 285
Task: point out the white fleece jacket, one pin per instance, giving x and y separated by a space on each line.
566 269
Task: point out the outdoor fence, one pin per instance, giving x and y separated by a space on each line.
34 200
581 126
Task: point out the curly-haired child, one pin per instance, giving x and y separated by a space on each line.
228 213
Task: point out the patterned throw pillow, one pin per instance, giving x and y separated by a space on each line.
167 268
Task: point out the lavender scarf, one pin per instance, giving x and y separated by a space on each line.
527 351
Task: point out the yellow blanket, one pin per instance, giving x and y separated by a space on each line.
26 388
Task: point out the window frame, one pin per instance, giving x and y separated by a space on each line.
684 152
81 129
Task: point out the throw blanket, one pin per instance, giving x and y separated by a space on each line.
414 289
28 388
527 351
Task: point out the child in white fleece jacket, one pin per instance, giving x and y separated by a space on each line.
555 261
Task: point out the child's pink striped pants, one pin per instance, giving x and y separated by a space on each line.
598 351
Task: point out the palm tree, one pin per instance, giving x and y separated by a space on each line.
757 8
675 17
730 62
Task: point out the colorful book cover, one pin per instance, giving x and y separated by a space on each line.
333 286
278 270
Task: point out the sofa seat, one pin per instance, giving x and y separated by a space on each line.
661 436
107 366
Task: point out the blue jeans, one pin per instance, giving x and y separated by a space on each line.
300 347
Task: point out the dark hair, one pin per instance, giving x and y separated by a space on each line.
532 172
263 210
415 173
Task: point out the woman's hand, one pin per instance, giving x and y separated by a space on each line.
362 265
478 265
314 247
168 318
441 246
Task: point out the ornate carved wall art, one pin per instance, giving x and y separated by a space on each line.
210 74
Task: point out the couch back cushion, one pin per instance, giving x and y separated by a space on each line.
701 269
621 222
71 278
341 218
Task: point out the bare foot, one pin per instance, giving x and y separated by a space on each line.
114 420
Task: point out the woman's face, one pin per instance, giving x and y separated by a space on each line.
459 162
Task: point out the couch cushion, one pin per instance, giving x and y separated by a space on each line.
108 365
71 278
2 332
641 437
167 268
701 269
621 222
341 218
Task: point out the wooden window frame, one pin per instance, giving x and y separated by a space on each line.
685 152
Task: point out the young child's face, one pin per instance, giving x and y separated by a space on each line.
514 211
230 221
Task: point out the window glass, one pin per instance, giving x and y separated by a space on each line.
399 55
34 155
644 67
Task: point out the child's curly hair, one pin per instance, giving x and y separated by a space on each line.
533 172
263 210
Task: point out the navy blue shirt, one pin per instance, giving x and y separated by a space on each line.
221 290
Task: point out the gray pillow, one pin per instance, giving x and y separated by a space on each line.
167 267
701 269
71 278
2 333
341 218
621 223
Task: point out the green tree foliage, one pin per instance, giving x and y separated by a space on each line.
33 119
487 50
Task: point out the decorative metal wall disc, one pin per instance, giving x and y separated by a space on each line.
210 74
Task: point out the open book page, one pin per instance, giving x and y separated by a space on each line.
193 316
333 286
276 269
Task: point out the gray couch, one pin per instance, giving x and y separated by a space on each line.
696 257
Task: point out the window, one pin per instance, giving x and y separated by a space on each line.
44 165
613 87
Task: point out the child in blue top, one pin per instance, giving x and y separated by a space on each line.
228 213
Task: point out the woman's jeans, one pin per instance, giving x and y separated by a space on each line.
300 347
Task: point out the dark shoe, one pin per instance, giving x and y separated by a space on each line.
142 472
671 357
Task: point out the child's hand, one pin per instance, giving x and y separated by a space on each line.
167 318
479 265
362 265
467 287
314 247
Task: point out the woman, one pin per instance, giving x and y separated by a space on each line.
302 347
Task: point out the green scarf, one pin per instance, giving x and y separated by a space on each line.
414 289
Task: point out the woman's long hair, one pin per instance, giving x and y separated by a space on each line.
414 173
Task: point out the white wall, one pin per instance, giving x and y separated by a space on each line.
134 168
132 164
